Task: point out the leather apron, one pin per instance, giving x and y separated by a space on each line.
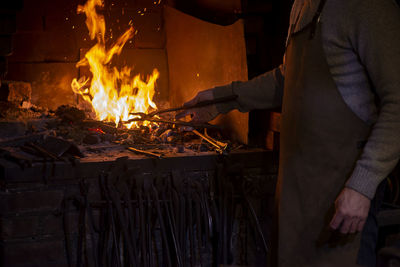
320 143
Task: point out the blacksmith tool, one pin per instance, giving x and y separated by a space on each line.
43 151
147 153
197 105
21 160
84 187
143 226
174 122
220 147
169 210
162 226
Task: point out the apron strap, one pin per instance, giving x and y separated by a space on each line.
316 19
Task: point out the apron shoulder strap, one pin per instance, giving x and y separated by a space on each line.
317 18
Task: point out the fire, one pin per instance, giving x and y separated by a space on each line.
113 93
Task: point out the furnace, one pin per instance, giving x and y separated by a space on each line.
94 173
97 170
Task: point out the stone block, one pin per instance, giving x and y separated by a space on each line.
33 201
12 129
51 82
45 46
6 45
62 15
8 23
15 92
53 225
43 253
143 61
19 227
148 24
3 67
12 5
30 18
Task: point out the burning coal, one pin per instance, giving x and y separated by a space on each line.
113 93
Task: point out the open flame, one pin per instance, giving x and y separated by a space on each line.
112 93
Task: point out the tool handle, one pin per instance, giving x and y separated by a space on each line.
197 105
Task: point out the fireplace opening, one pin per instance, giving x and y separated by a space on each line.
94 173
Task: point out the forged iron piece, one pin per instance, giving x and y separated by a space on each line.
172 224
257 224
219 146
43 151
89 213
147 153
21 160
175 122
142 226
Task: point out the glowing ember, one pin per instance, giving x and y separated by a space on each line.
112 93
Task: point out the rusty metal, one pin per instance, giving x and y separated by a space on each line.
44 152
147 153
219 146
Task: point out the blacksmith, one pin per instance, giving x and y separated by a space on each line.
339 88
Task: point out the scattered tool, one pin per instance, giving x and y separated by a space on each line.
143 152
176 122
220 146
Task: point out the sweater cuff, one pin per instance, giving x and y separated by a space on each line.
363 181
225 91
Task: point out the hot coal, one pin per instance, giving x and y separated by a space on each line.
72 135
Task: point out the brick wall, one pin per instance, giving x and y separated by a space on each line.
51 36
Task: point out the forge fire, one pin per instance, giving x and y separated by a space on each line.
113 93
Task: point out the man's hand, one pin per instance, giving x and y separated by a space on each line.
203 114
351 211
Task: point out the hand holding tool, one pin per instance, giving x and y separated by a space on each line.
200 104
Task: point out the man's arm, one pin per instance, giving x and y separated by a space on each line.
264 91
375 37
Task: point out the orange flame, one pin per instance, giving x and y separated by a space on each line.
112 93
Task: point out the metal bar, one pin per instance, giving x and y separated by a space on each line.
182 123
197 105
43 151
148 153
220 148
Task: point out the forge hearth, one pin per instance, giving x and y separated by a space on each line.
55 213
76 191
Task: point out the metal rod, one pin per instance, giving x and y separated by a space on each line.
148 153
197 105
220 147
182 123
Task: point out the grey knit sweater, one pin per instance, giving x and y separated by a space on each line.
361 40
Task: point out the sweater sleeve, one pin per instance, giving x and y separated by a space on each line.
375 36
262 92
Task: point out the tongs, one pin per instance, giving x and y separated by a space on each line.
144 116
